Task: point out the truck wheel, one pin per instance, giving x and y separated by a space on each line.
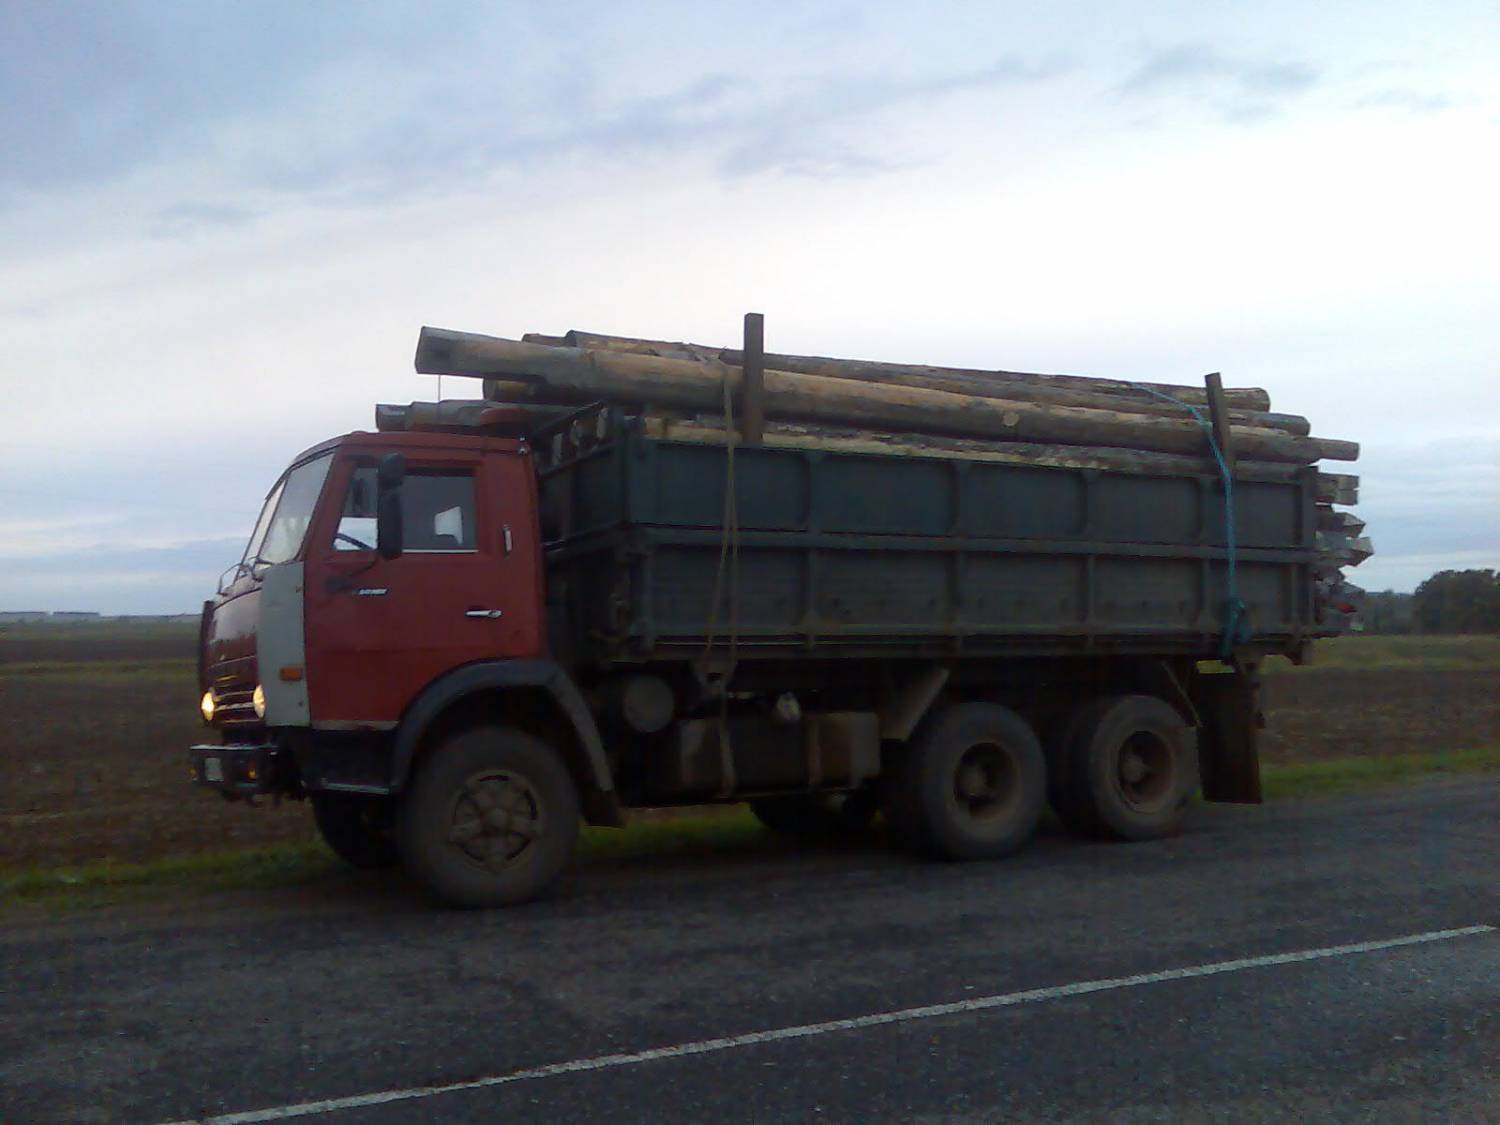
1129 769
489 819
970 786
816 816
357 828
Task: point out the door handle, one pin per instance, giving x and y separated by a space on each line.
484 613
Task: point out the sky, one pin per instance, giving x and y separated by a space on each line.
222 225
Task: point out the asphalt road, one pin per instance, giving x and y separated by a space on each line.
1326 959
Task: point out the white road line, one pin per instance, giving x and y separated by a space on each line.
803 1031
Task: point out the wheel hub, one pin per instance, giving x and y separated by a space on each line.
1147 771
974 782
495 818
985 782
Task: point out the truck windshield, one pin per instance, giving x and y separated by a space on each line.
288 510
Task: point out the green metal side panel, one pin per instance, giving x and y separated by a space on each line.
855 554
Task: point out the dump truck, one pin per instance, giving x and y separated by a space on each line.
464 634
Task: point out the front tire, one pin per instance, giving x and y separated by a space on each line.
358 828
970 786
490 818
1129 769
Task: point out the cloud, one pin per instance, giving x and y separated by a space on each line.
289 100
231 218
803 134
172 579
1243 90
187 219
778 152
1426 512
1405 572
1413 101
800 127
1197 64
98 89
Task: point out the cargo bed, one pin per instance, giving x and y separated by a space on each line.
848 554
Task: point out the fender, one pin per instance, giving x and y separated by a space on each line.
602 806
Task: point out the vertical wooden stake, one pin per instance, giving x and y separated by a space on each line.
1218 415
753 398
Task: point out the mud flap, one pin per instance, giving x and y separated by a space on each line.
1228 705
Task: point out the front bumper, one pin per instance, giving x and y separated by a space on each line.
236 770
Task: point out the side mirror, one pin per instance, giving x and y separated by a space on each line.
390 472
389 521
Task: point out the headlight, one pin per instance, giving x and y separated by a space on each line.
259 701
206 705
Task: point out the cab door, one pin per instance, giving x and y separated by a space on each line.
380 630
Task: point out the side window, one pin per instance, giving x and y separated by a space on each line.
357 524
439 511
437 506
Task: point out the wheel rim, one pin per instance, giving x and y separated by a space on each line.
1146 772
495 820
986 782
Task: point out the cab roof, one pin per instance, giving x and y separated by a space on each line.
413 440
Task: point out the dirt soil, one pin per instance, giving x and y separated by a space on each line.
1347 713
97 770
93 764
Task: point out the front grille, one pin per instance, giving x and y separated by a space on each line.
234 704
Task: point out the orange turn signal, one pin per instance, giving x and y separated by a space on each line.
290 673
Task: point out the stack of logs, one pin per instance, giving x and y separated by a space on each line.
698 393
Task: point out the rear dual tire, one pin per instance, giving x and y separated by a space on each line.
970 785
1124 767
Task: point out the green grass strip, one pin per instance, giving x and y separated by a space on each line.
706 833
85 672
278 865
1313 779
282 865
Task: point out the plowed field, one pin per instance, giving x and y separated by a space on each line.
97 720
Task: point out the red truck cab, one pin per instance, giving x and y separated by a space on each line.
466 586
341 622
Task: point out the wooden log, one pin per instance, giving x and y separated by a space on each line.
793 435
1346 523
391 417
938 379
455 415
1338 488
1359 549
1250 399
687 384
1286 423
509 390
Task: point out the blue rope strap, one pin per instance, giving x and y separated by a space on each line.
1236 613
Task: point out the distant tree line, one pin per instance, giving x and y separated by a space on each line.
1451 601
